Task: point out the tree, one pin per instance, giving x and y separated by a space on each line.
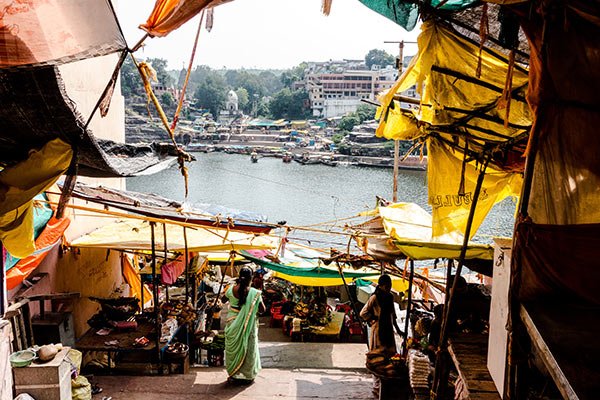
167 100
348 122
379 57
131 82
160 66
243 99
211 93
289 105
365 112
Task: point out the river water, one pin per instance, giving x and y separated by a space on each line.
300 194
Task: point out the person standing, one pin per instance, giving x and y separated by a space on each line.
379 313
242 359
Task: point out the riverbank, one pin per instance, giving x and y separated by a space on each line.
274 145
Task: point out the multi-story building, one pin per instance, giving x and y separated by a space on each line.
336 88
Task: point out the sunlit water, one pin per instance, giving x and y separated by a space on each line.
300 194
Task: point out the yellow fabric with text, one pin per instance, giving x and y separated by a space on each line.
19 184
451 210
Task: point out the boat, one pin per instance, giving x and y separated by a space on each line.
287 158
328 160
254 157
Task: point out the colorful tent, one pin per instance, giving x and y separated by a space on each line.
302 266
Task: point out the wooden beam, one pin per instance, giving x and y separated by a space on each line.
537 341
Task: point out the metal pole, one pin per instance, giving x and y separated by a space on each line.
408 305
463 252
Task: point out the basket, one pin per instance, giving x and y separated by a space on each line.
177 351
216 358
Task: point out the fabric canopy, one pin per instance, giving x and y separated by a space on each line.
302 267
136 235
169 15
408 228
47 32
462 109
461 116
406 13
159 207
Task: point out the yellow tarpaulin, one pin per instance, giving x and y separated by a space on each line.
450 210
398 284
410 230
444 72
136 235
19 184
461 112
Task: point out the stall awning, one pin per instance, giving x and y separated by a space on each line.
302 268
152 205
408 233
136 235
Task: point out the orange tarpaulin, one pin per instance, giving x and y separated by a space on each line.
49 237
169 15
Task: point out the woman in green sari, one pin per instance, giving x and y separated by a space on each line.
242 359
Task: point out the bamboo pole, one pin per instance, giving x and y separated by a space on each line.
165 260
442 347
187 267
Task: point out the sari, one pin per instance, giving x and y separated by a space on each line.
242 359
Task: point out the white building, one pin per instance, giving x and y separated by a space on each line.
333 94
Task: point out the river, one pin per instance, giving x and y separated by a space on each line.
300 194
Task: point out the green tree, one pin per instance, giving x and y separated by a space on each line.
243 98
289 105
131 82
348 122
160 66
379 57
167 100
211 93
271 82
365 112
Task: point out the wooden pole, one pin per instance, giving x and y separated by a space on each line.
187 267
155 294
396 168
166 258
442 347
2 282
408 306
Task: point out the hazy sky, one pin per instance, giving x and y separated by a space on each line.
269 34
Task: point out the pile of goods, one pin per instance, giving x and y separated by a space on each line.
418 369
113 312
382 364
184 313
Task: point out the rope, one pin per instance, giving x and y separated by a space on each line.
187 76
147 73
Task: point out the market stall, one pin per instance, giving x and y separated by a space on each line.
165 264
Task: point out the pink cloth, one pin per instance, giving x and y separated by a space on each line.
171 271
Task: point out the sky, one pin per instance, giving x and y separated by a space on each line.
269 34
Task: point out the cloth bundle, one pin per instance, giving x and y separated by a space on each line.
418 369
